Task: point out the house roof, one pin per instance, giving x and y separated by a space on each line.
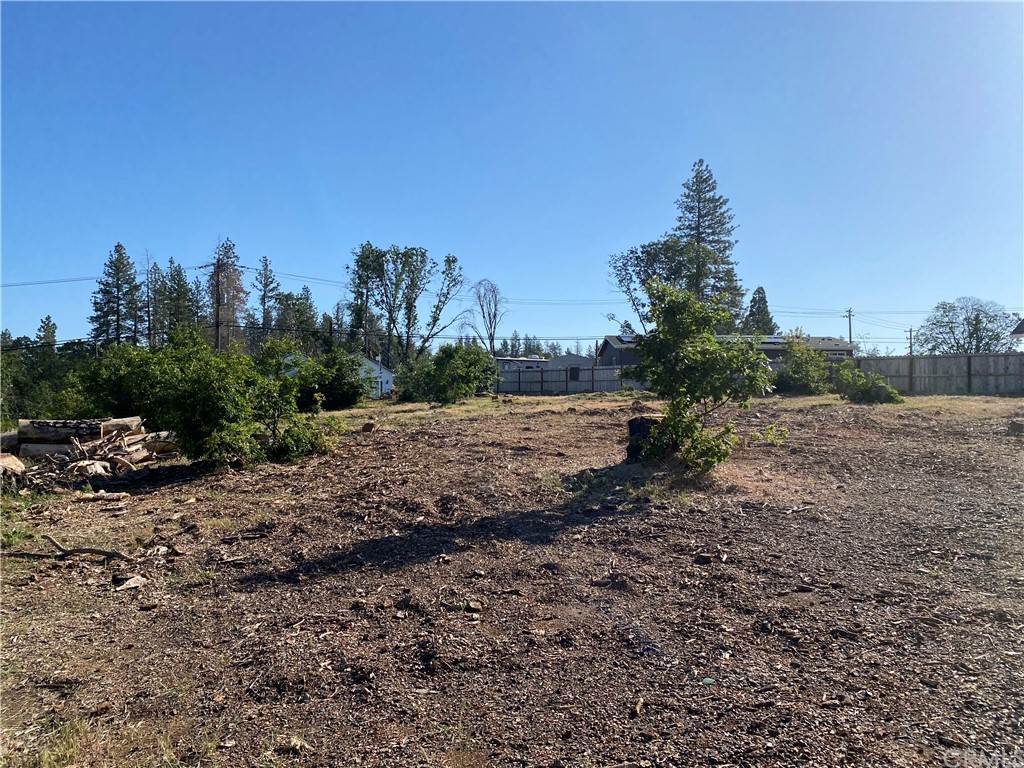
624 341
367 360
1018 332
827 343
572 357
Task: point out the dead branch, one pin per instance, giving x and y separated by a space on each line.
63 551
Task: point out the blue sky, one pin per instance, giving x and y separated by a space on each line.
872 153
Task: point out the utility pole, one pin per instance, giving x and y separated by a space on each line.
216 302
911 332
849 324
149 301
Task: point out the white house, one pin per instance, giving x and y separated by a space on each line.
383 379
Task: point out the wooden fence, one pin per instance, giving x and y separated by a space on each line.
951 375
563 380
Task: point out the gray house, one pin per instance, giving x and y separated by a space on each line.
618 351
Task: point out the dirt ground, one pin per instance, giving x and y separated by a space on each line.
493 585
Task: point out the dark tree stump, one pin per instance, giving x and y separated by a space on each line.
639 433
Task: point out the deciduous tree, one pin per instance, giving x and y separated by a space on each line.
489 310
698 373
967 326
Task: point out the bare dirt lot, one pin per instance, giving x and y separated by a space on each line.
492 585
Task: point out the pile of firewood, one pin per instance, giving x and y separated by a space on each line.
66 451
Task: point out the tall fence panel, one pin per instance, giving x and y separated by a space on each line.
563 381
951 374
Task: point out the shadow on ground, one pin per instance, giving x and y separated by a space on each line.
596 495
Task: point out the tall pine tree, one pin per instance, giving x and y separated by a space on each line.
228 308
759 321
117 302
266 289
705 227
695 256
180 300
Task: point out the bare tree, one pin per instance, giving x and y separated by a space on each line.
488 313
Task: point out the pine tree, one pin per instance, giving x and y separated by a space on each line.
44 355
229 307
179 300
705 222
265 288
155 305
117 301
515 345
695 256
758 320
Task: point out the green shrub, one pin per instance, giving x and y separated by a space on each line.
301 437
344 384
699 373
223 407
452 374
859 386
804 370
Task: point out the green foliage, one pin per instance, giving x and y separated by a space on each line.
773 435
223 407
453 374
859 386
759 321
805 371
968 326
344 385
698 372
392 281
414 380
301 437
117 302
72 400
684 431
695 256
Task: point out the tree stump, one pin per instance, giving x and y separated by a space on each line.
639 433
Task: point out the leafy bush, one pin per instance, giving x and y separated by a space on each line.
698 373
302 437
859 386
344 384
222 406
805 371
452 374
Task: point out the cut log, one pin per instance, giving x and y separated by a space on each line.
11 465
61 431
160 446
89 468
31 450
8 440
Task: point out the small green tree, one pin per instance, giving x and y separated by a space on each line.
698 373
804 371
345 384
859 386
453 374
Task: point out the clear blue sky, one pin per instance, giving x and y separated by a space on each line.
872 153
